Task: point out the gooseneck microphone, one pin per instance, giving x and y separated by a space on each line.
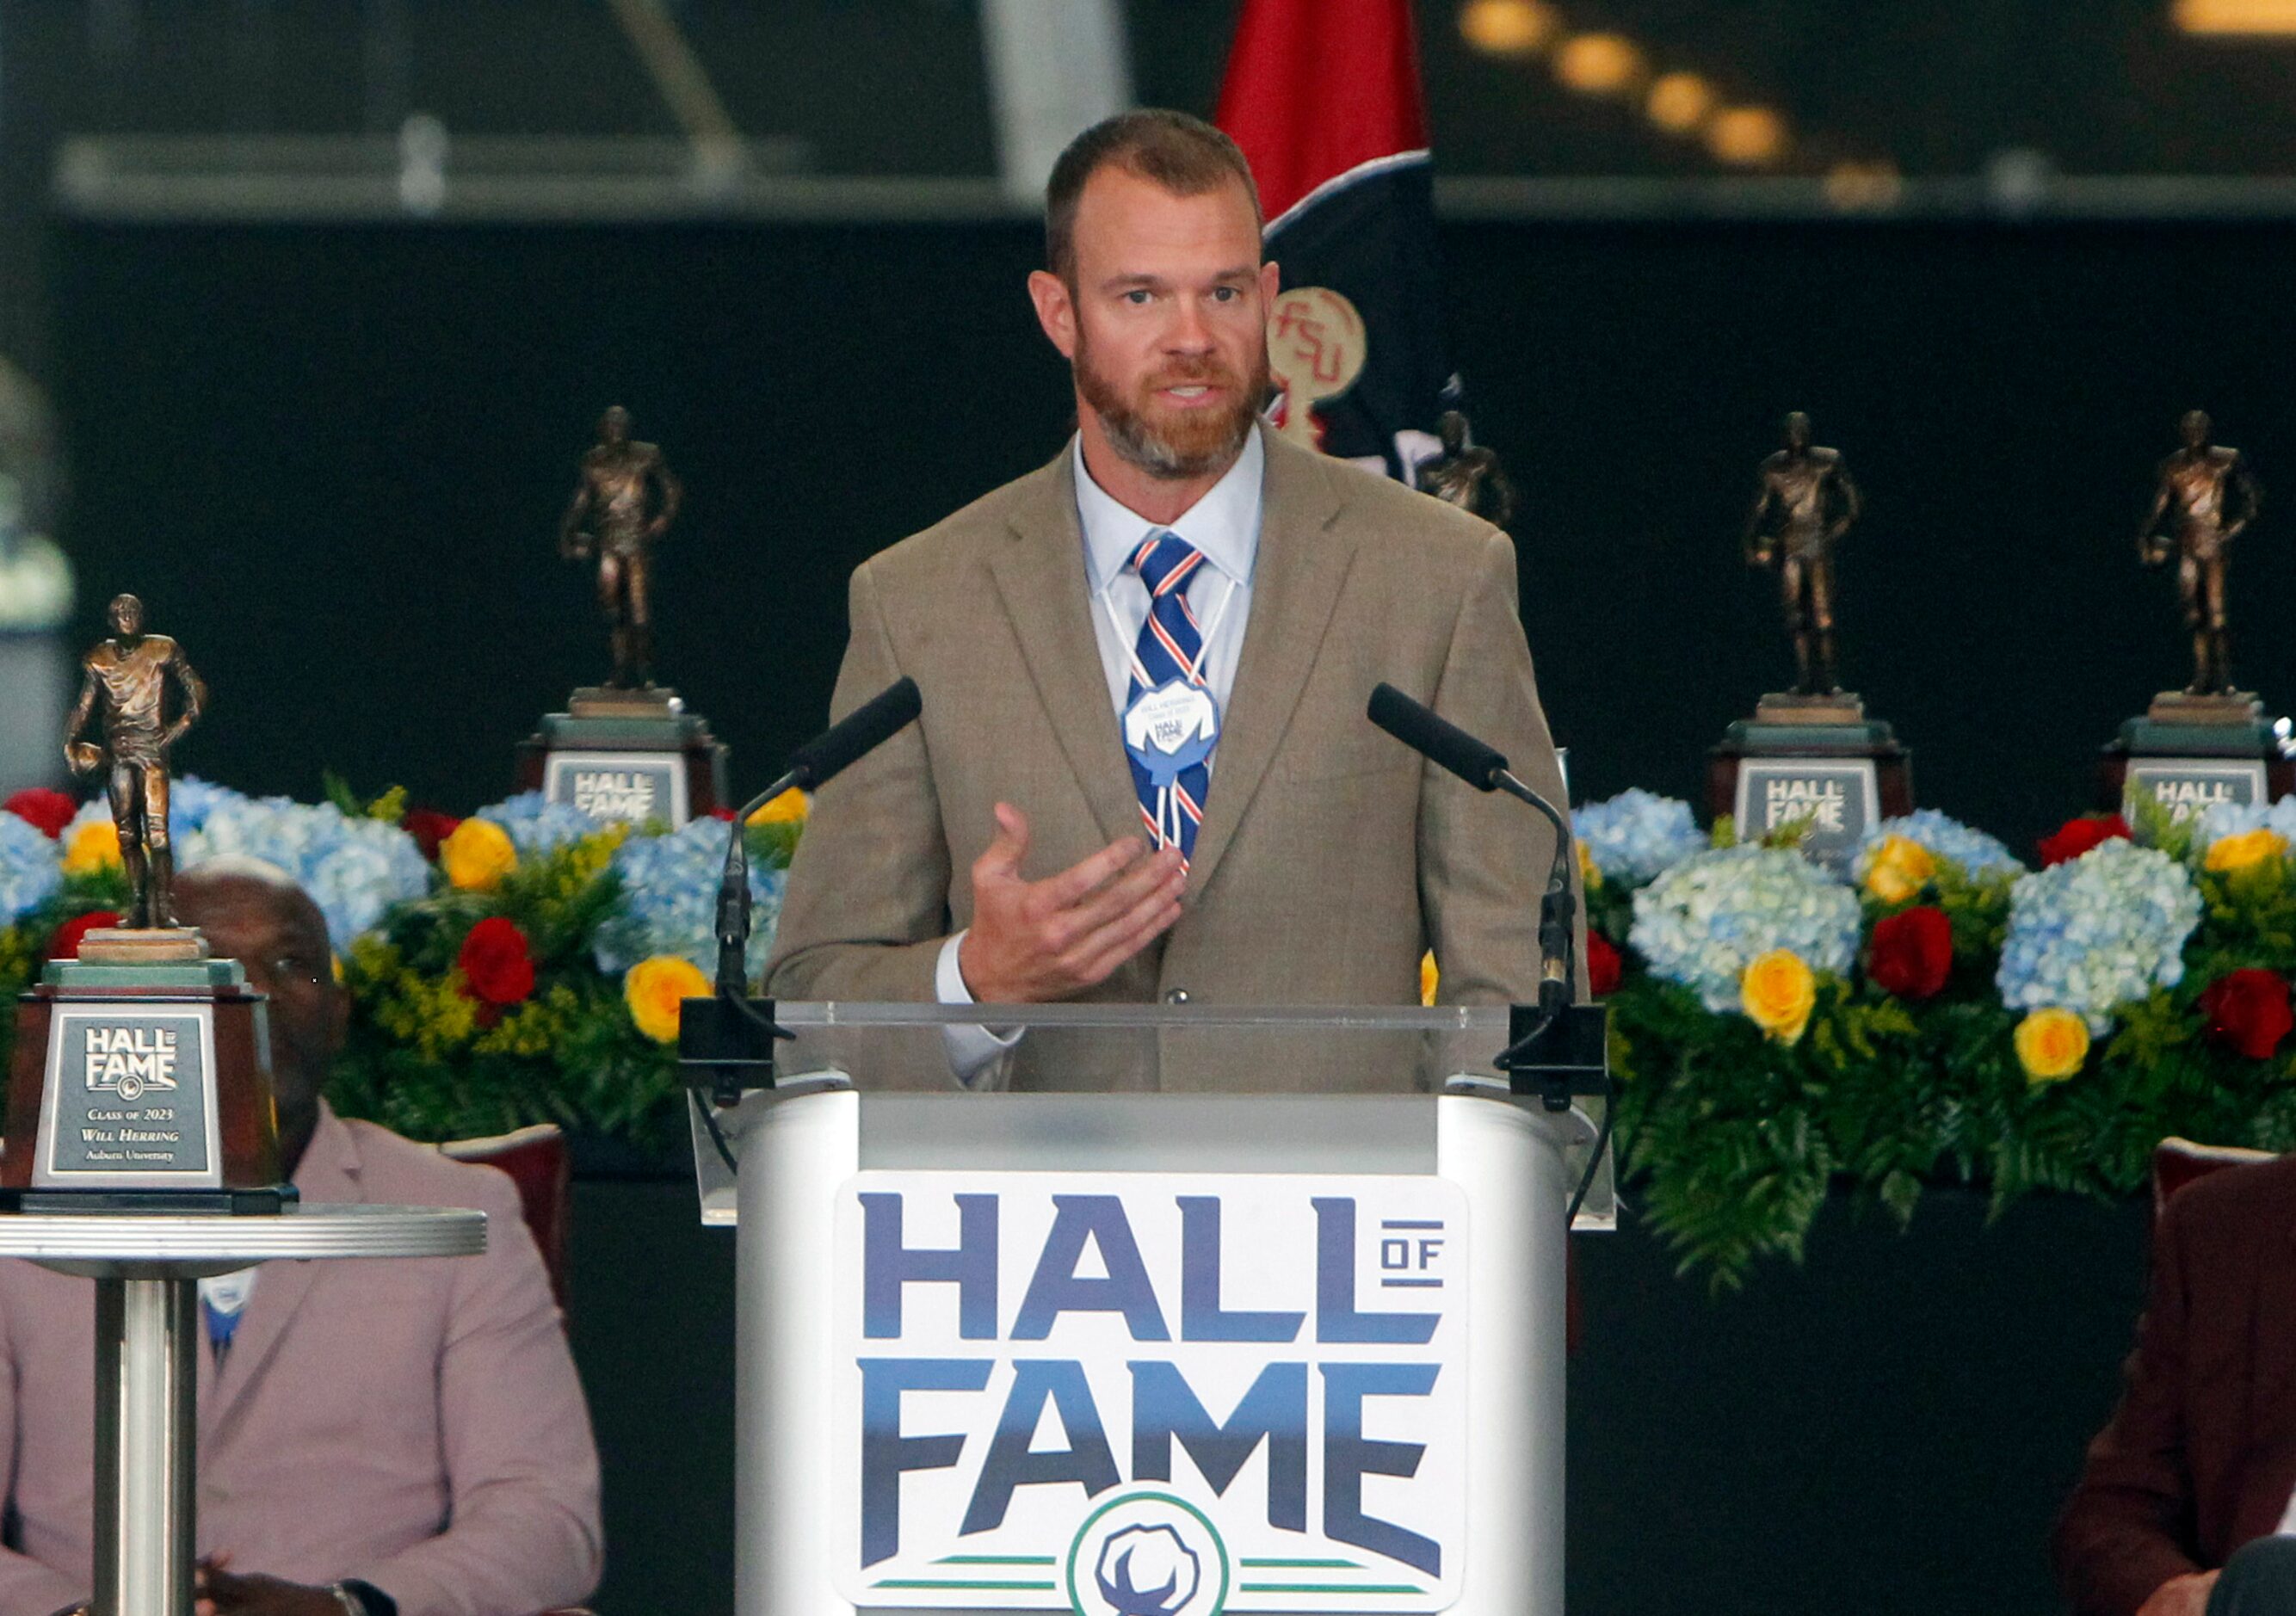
1485 767
828 755
730 1036
1558 1049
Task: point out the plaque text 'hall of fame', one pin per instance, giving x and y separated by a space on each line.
130 1099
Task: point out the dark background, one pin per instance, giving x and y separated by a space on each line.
332 461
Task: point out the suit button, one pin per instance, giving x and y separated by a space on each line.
1176 995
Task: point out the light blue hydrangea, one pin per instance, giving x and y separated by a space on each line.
2097 930
354 869
1978 855
537 825
669 900
1637 835
31 867
1704 921
191 799
2225 819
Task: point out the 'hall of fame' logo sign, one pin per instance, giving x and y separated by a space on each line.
2189 787
129 1099
627 787
1147 1394
1835 799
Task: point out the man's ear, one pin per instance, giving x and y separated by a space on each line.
1271 282
1055 310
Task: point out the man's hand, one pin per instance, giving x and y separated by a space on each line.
1032 942
2186 1595
222 1594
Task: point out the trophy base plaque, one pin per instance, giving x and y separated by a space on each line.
1814 758
630 755
2190 753
142 1086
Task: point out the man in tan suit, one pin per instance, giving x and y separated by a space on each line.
1005 849
402 1436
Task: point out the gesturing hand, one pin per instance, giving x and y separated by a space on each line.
2186 1595
1034 941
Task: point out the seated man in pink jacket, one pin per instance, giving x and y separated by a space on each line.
380 1436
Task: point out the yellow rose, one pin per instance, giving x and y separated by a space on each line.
1428 977
1590 874
478 856
1779 992
1898 868
2052 1043
790 807
2249 848
653 989
94 849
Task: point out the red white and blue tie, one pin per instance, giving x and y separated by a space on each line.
1170 648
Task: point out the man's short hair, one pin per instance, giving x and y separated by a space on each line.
1184 155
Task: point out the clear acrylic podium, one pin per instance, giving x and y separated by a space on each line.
1169 1311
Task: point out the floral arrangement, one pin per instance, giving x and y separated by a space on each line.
1942 1014
521 964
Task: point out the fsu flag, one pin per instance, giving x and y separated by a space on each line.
1324 97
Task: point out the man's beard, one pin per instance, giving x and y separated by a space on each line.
1175 445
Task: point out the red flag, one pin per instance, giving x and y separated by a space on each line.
1318 88
1324 97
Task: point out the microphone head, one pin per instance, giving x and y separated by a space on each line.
858 733
1436 739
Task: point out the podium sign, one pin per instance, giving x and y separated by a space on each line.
1150 1394
129 1100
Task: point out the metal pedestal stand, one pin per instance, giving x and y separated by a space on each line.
146 1267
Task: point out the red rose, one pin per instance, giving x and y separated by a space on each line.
1604 966
63 942
50 811
1911 952
2077 836
723 815
495 964
2247 1009
429 827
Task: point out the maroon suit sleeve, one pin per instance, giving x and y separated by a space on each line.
2129 1527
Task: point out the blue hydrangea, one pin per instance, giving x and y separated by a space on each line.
1704 921
537 827
669 900
354 869
2225 819
1637 835
31 867
1978 855
191 799
2098 931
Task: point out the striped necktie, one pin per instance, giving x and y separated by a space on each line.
1170 647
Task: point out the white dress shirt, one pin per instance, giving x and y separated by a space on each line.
1225 526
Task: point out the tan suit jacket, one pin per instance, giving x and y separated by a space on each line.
416 1423
1330 858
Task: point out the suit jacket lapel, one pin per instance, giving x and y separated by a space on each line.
1295 584
328 1176
2271 1396
1040 573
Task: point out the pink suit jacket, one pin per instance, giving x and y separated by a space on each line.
414 1422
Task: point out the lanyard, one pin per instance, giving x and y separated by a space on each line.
1131 643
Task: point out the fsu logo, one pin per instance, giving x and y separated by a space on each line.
1147 1553
1316 350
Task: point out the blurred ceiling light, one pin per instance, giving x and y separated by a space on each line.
1507 28
1679 102
2236 16
1853 186
1748 137
1599 64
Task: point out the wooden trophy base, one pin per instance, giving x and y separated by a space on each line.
1810 756
630 755
2189 753
143 1085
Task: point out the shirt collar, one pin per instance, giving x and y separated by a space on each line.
1223 524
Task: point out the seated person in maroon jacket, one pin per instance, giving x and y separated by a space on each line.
2188 1497
393 1438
